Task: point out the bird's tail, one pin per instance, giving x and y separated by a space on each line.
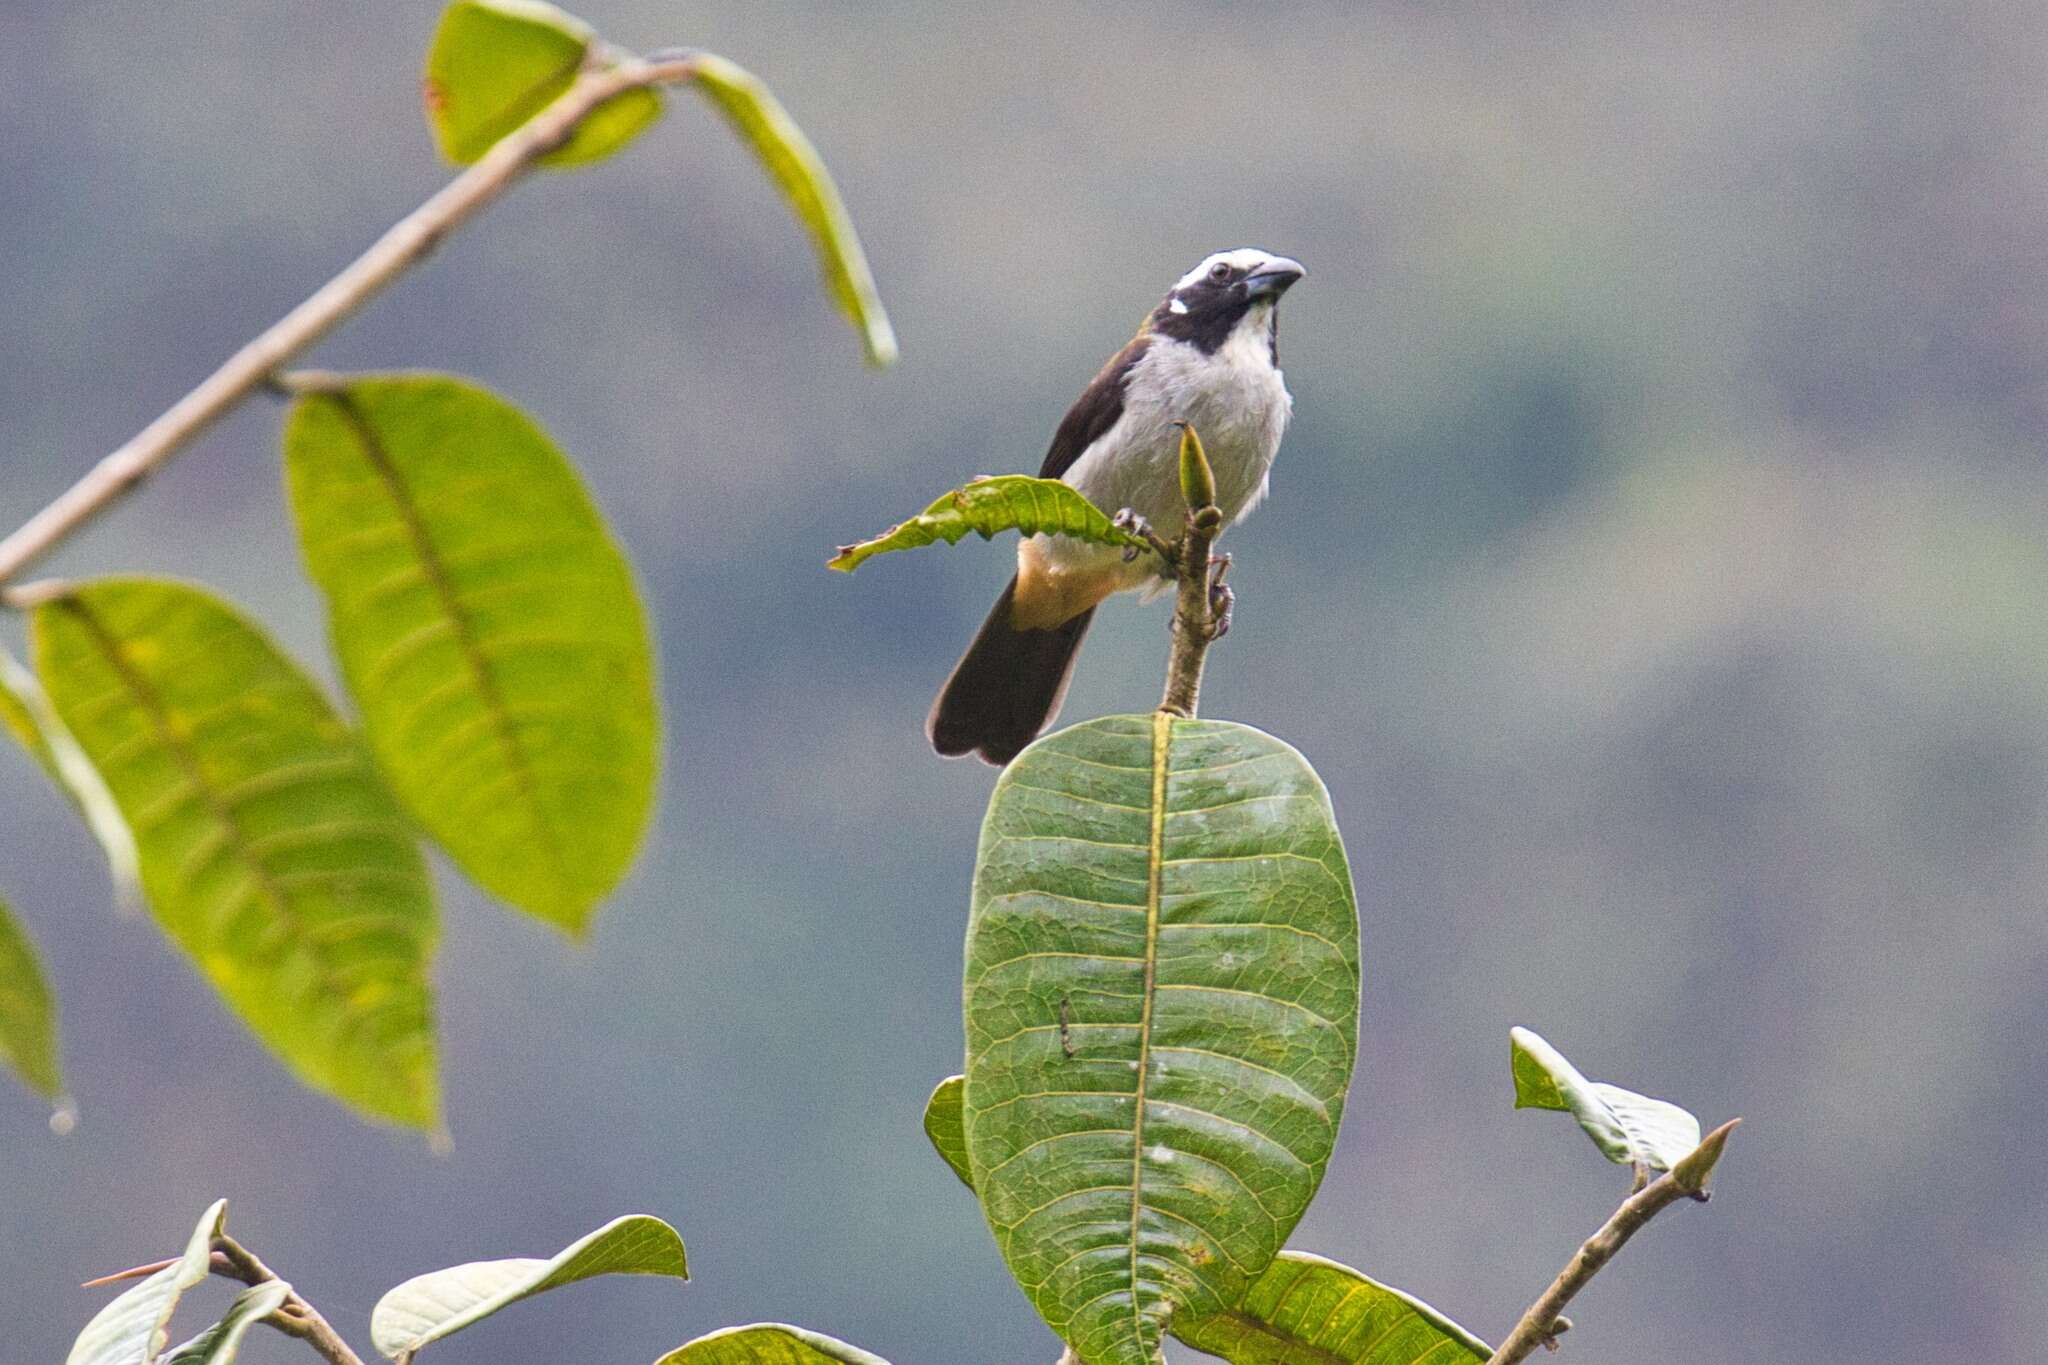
1007 686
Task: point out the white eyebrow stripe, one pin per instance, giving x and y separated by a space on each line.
1244 257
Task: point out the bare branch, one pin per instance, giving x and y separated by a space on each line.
400 248
1542 1324
296 1317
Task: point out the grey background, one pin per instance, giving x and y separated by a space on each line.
1654 571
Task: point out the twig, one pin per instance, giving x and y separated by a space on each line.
1195 618
1541 1325
295 1317
400 248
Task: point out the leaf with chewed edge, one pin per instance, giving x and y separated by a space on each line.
1630 1129
799 172
1309 1311
494 64
133 1328
441 1302
1005 502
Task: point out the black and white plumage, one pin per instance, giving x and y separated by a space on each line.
1207 355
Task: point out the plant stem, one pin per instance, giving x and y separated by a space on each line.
400 248
1539 1326
1194 613
296 1317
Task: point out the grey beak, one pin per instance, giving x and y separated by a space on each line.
1271 280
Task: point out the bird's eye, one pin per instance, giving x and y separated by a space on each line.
1219 272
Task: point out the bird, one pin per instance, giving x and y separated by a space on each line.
1208 356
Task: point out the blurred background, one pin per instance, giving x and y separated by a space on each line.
1654 571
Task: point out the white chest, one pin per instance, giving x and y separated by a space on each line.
1237 401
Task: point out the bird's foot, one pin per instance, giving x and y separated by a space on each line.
1129 521
1221 598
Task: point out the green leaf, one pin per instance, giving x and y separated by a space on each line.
1162 1007
488 629
494 64
28 714
442 1302
944 1126
1006 502
218 1344
28 1012
270 851
1630 1129
768 1343
799 172
1308 1311
133 1328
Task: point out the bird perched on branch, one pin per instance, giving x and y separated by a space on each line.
1208 355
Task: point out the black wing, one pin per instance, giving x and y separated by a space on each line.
1095 411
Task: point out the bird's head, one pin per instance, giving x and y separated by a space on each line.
1232 293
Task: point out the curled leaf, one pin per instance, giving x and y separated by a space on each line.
219 1344
1630 1129
133 1329
943 1125
28 715
1007 502
799 172
442 1302
768 1343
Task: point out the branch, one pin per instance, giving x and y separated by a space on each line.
1541 1325
1201 613
400 248
296 1317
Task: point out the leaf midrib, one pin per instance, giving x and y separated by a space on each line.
1162 732
153 706
463 631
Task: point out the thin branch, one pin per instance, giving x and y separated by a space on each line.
295 1317
1542 1324
400 248
1197 619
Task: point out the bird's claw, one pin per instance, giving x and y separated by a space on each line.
1128 521
1221 598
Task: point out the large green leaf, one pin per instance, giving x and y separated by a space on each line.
799 172
219 1344
133 1328
1006 502
768 1343
1162 1007
28 715
488 629
1630 1129
270 851
28 1012
441 1302
494 64
946 1127
1308 1311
